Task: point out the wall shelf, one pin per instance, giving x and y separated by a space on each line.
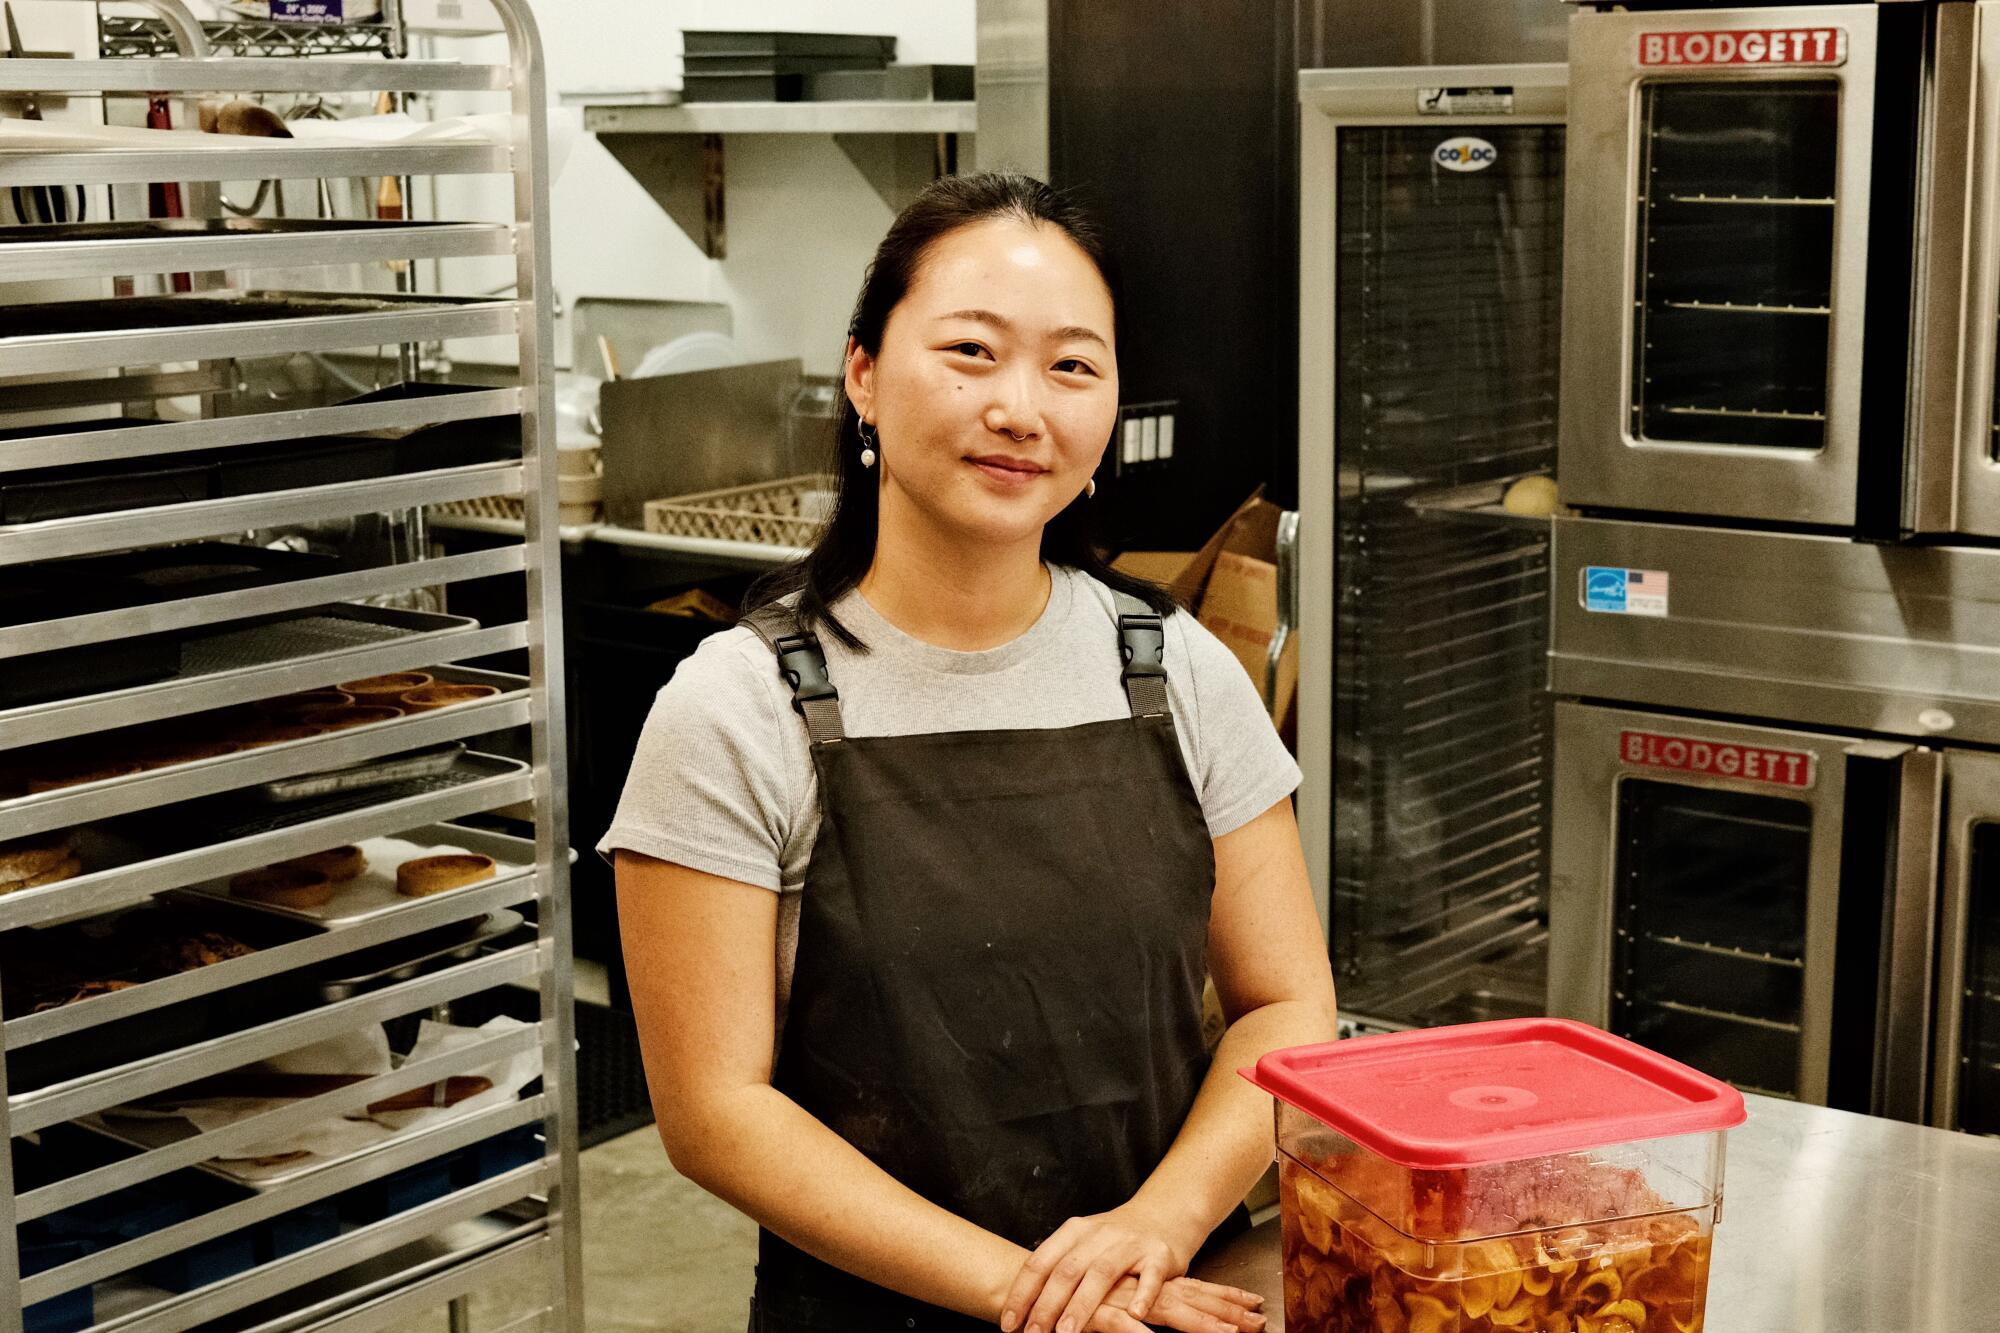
677 152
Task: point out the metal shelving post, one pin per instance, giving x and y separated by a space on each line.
160 787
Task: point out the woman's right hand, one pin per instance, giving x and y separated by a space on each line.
1184 1303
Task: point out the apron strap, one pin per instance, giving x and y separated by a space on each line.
802 662
1142 644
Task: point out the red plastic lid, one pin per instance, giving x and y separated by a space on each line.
1453 1097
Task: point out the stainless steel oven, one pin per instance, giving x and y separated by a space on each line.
1780 266
1775 596
1760 902
1965 1090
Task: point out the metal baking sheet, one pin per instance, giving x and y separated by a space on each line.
373 892
432 760
359 777
150 1133
322 633
1475 503
146 229
202 311
447 942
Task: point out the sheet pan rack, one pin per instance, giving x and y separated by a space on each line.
165 726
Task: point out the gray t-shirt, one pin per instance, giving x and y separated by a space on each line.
722 781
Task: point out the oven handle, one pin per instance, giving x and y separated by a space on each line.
1909 943
1946 345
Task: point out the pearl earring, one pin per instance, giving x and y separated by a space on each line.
1090 488
868 440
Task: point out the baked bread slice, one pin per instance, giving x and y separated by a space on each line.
338 864
384 689
294 886
22 857
444 695
426 875
67 868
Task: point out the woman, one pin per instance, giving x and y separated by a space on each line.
1013 806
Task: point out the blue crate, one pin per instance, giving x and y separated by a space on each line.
68 1312
300 1229
400 1191
499 1155
209 1261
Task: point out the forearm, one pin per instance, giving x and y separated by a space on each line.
761 1152
1226 1142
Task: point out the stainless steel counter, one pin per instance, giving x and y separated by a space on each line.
1831 1223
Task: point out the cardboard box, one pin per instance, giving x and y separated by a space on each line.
1231 585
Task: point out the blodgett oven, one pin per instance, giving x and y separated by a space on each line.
1771 906
1775 609
1769 310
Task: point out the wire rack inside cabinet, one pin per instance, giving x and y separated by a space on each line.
1448 294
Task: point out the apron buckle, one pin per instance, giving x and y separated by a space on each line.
803 666
1143 644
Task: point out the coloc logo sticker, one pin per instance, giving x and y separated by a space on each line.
1465 154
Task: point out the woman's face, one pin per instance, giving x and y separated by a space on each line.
995 389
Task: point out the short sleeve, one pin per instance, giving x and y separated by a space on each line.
708 786
1242 767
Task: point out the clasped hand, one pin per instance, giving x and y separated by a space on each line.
1114 1273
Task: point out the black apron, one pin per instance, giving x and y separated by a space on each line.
1002 949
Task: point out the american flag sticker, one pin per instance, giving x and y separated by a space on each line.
1645 592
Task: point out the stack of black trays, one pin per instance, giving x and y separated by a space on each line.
772 66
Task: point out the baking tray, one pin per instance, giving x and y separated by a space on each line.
373 893
358 777
743 87
231 816
895 83
1478 502
149 1134
699 42
42 495
121 664
317 634
148 229
109 947
154 1033
202 310
198 569
400 960
294 464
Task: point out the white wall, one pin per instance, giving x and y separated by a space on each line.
801 220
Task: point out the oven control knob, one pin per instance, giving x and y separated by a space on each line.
1936 719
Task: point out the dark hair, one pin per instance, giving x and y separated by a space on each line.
847 544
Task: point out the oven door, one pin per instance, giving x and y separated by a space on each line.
1728 895
1966 1082
1716 282
1958 488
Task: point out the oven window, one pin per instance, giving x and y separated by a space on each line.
1708 948
1979 1043
1734 270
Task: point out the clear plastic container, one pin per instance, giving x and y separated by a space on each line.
1531 1176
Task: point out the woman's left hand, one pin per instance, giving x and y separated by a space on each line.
1066 1279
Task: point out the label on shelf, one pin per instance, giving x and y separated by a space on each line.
315 11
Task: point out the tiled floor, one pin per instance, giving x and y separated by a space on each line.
659 1253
